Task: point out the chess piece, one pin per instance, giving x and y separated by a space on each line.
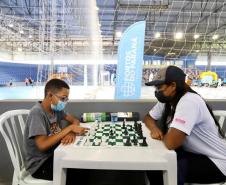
130 128
140 133
123 125
128 143
111 133
139 127
135 125
134 140
144 142
125 132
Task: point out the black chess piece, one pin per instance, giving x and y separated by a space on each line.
144 142
140 134
139 126
130 128
123 125
111 133
134 140
128 143
125 132
135 125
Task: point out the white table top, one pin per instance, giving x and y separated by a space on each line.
153 157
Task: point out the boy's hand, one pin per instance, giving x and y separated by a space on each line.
68 139
78 129
77 122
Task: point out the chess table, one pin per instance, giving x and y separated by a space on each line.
115 146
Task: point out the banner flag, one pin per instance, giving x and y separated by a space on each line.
130 60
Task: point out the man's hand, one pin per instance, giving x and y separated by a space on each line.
150 123
156 133
68 139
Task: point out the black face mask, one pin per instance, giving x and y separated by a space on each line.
161 97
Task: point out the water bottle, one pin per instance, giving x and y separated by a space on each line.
95 116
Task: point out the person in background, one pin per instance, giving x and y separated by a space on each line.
11 82
151 76
44 132
26 81
219 82
30 81
189 127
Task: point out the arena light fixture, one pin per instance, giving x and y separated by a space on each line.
118 34
157 35
197 51
19 49
171 53
155 49
215 36
196 36
10 25
21 31
178 35
30 36
96 43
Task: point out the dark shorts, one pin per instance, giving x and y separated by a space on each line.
191 168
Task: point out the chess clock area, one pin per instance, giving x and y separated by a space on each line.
110 134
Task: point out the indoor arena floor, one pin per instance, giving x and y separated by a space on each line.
97 92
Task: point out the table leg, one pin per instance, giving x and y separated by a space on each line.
170 178
170 175
59 173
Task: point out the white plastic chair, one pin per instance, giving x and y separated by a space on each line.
221 116
12 125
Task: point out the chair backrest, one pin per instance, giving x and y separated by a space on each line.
221 116
12 125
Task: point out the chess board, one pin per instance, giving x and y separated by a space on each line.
114 134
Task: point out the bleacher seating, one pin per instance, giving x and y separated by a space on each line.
16 72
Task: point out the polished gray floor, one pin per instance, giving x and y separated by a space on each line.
5 183
98 92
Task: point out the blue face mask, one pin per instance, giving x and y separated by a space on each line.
59 106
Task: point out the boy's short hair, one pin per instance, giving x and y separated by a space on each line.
55 85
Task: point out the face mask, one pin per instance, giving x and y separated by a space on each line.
161 97
59 106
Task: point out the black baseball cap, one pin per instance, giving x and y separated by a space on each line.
166 75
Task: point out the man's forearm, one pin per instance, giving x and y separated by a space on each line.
149 122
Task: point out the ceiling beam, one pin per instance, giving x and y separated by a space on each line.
207 16
117 6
